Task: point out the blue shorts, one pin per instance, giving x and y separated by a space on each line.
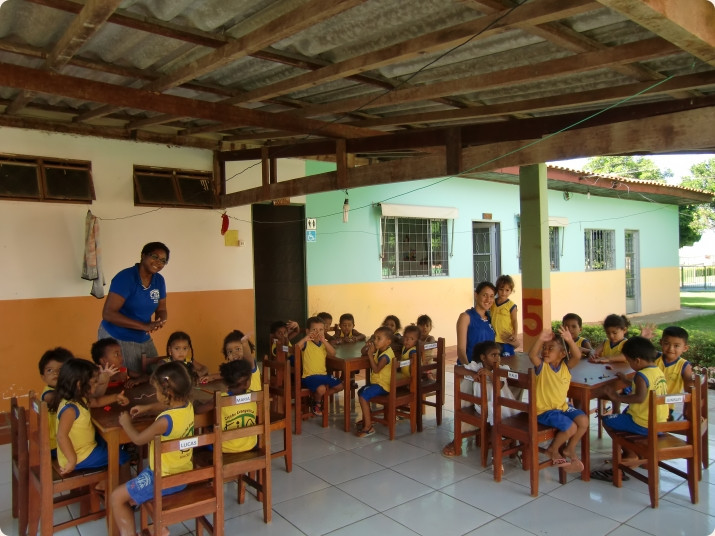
316 380
559 419
99 457
141 488
623 422
507 350
368 392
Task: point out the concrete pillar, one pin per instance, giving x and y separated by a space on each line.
535 263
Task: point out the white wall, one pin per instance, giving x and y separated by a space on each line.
41 244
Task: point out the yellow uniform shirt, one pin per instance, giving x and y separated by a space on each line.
610 350
501 319
82 432
552 386
256 384
52 417
655 381
383 377
673 373
237 417
181 424
407 353
314 359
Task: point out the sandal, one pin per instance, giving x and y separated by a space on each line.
449 450
365 433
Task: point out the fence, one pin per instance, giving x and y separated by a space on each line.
697 277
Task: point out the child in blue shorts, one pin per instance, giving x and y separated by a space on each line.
553 376
173 388
380 354
314 348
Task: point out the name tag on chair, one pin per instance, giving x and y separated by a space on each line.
242 399
285 349
405 363
430 346
36 406
513 375
674 399
190 443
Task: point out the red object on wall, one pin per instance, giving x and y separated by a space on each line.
224 223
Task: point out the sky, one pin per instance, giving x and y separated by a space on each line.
679 164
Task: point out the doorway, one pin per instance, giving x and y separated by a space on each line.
279 268
486 252
633 271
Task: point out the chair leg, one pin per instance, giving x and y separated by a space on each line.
241 490
533 456
693 468
288 445
484 444
497 442
653 482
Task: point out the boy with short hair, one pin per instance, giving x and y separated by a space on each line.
314 349
327 319
107 353
281 334
380 354
676 369
347 332
573 323
504 316
640 355
49 365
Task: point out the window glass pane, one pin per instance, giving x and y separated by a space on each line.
195 191
389 248
18 180
414 247
156 189
554 245
68 183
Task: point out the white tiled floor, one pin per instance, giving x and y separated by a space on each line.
344 485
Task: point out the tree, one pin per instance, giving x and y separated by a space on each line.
703 178
643 168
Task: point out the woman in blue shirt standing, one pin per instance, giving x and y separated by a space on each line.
135 295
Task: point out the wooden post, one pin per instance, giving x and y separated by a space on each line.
535 264
265 173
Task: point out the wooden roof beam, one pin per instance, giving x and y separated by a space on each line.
117 96
688 24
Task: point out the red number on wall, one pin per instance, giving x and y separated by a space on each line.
533 321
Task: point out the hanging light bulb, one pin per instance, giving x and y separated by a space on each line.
346 207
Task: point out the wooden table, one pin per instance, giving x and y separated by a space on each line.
106 421
347 360
587 382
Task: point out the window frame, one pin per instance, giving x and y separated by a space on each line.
41 165
608 260
391 245
176 175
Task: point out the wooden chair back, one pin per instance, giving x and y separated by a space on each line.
203 496
401 399
430 381
20 461
521 431
239 465
466 412
276 372
701 384
48 488
667 440
301 395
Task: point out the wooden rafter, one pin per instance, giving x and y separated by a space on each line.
82 28
115 96
688 24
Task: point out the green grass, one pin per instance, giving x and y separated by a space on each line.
704 323
699 300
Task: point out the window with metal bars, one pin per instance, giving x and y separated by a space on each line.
35 178
414 247
167 187
600 249
555 246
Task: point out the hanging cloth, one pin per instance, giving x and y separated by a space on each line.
92 262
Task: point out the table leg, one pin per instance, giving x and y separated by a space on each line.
585 402
347 399
112 439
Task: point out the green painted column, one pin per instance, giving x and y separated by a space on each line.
535 264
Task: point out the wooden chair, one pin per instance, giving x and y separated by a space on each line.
430 386
20 463
521 428
48 489
661 445
469 414
203 496
300 395
276 371
701 384
240 466
401 398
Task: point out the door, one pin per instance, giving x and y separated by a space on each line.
486 254
279 268
633 271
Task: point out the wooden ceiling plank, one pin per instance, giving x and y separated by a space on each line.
555 102
688 24
540 12
579 63
83 89
665 133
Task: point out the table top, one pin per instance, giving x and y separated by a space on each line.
349 350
